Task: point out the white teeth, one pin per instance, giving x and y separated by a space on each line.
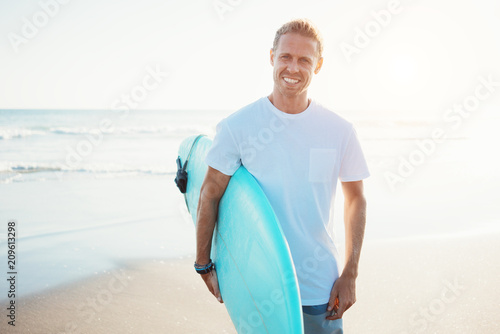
292 81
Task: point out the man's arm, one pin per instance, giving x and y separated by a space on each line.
213 187
343 294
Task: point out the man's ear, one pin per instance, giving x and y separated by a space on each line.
319 64
271 54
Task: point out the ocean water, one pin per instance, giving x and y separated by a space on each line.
44 144
92 190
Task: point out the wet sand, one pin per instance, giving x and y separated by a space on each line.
432 285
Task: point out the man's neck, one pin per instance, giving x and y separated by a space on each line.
289 105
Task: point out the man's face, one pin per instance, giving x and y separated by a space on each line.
295 60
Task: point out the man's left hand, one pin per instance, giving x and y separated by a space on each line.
342 297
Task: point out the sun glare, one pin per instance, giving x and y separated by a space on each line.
403 69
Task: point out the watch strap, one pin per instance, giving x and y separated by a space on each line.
204 269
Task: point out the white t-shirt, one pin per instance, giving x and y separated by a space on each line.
297 159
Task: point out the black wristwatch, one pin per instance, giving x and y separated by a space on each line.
204 269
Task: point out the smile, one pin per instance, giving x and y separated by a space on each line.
290 80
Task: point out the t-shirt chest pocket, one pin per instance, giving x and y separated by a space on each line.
322 164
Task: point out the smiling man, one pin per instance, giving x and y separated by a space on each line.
297 150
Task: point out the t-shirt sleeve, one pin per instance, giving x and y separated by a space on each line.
353 166
224 155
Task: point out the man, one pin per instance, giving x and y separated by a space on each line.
296 149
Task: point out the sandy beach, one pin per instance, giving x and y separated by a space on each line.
433 285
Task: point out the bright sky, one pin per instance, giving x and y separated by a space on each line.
87 54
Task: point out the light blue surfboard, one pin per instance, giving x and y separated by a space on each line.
255 270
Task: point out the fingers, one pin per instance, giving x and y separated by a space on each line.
216 291
215 286
333 306
339 312
338 305
212 283
339 309
333 303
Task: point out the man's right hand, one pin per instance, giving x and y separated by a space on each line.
212 283
213 187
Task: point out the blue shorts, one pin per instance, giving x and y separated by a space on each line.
315 321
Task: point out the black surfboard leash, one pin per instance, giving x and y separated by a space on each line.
181 178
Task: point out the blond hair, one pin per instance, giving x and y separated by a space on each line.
303 27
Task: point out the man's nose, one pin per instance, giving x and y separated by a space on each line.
293 66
